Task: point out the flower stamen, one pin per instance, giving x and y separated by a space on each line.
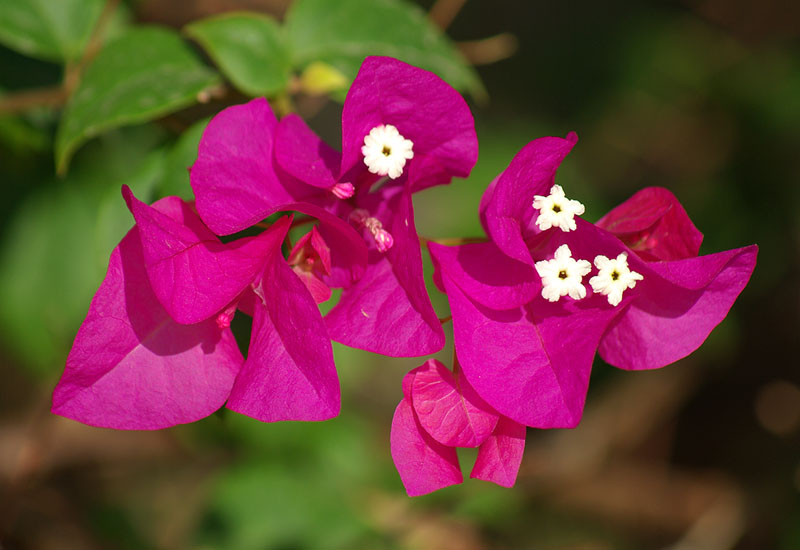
383 239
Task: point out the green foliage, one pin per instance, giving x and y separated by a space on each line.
297 488
146 73
179 160
249 49
58 243
48 29
342 33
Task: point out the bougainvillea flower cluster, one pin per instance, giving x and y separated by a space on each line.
173 288
403 130
531 305
539 299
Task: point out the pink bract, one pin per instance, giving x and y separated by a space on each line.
193 274
155 349
439 412
289 373
133 367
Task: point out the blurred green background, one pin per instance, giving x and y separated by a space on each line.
699 96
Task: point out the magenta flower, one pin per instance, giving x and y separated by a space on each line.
156 349
439 412
531 307
403 129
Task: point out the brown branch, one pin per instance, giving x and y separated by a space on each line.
489 50
57 95
453 241
443 12
41 97
73 72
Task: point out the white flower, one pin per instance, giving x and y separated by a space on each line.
556 210
614 277
562 275
386 151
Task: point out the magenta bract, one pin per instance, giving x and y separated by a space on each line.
233 178
654 225
133 367
155 349
193 274
289 373
439 412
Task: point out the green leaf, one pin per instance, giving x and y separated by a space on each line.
179 160
144 74
249 49
344 32
48 29
56 248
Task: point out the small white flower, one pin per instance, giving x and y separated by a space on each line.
556 210
562 275
386 151
614 277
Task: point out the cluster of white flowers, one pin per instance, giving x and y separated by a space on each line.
563 275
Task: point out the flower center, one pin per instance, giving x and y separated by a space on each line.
556 210
562 275
386 151
614 277
311 254
310 259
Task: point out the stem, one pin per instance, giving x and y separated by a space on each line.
453 241
283 105
303 221
41 97
298 222
56 96
443 12
489 50
73 72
